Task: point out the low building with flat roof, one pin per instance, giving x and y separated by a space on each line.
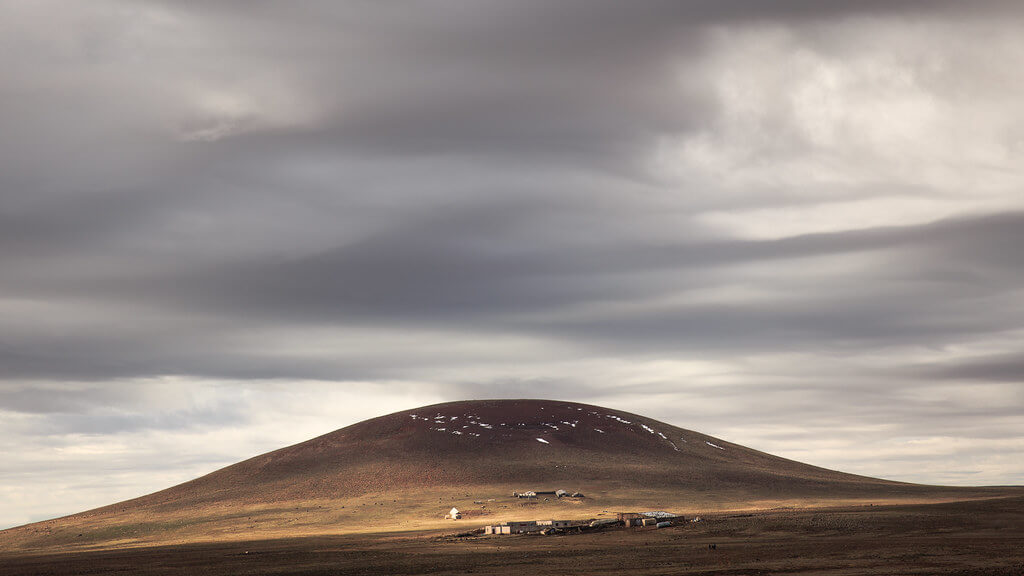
527 527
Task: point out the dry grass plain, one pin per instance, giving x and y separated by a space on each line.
416 511
981 537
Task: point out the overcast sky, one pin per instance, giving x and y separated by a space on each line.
226 227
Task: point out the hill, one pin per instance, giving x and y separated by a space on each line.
404 470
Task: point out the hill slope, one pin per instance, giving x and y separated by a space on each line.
507 442
403 470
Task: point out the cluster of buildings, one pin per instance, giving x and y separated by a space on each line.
657 519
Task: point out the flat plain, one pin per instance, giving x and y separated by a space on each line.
982 537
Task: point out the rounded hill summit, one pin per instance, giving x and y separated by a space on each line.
510 443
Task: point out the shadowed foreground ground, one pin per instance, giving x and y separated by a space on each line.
963 538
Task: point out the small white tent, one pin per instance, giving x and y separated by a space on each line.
454 514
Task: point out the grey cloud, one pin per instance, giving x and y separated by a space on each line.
466 264
587 82
467 269
112 407
58 400
482 198
113 422
998 368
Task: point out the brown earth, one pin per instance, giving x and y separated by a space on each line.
979 538
404 471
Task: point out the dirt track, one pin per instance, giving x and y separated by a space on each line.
983 538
